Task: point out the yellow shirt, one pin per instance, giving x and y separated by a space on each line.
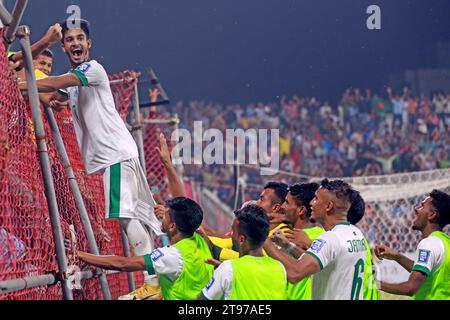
39 74
285 146
228 253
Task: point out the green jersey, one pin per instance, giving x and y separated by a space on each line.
182 270
302 290
433 259
248 278
370 290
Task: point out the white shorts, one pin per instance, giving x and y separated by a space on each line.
128 196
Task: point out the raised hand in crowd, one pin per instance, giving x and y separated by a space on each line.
153 94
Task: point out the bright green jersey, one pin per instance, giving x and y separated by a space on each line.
437 283
195 273
370 290
302 289
258 278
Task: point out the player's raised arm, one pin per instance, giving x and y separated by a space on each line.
127 264
175 184
408 288
296 269
52 84
384 252
52 36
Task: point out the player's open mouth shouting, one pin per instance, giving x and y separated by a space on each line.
77 53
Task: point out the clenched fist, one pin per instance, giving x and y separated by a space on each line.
54 33
384 252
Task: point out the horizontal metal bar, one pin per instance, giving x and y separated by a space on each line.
172 121
5 16
89 274
117 81
14 285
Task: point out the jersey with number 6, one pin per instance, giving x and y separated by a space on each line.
341 254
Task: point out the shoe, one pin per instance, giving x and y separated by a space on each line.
146 292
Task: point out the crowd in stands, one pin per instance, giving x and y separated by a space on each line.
366 134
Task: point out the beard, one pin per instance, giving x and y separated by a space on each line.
235 246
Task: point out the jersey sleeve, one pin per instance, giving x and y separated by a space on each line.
90 74
428 256
165 261
227 253
219 288
324 250
222 243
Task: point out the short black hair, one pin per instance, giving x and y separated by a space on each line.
441 202
341 189
84 25
357 209
47 53
280 189
254 224
304 194
186 213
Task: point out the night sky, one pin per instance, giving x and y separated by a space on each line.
244 51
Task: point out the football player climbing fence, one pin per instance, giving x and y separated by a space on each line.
27 247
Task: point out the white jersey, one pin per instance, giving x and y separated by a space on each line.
429 256
220 287
166 261
102 136
341 253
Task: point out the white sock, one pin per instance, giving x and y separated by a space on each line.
140 242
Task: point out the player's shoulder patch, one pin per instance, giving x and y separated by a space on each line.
317 245
156 255
83 68
210 284
424 255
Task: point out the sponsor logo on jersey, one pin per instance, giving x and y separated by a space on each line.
424 256
317 245
210 284
156 255
84 67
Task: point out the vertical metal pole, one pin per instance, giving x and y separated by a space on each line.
178 162
5 16
77 195
44 161
140 144
237 174
126 252
138 127
17 15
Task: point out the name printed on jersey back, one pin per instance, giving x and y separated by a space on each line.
355 246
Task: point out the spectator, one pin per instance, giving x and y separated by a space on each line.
356 138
